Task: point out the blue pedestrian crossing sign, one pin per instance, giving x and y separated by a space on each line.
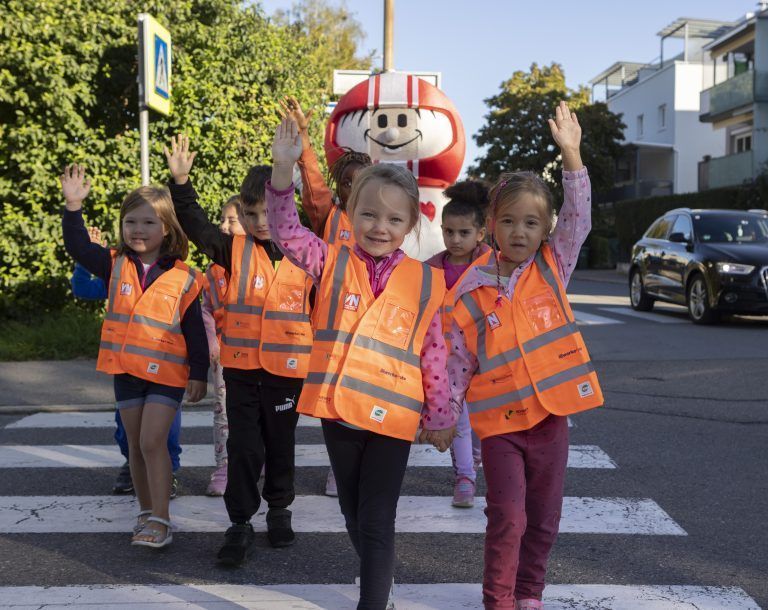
154 65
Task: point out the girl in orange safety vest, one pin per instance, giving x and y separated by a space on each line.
520 361
463 225
214 301
152 340
377 366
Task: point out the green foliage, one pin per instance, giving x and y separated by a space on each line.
68 93
517 136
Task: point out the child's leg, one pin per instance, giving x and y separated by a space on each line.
174 441
504 467
545 462
382 469
131 418
278 429
220 426
120 437
461 448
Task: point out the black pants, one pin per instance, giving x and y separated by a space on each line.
369 470
262 431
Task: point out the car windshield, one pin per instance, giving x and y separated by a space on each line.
730 228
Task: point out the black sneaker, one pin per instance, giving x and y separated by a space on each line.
174 486
279 530
123 482
238 545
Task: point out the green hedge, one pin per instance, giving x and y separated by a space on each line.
634 216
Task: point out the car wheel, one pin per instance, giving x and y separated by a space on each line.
639 300
697 300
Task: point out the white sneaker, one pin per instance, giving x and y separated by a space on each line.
330 485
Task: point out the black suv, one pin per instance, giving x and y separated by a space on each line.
711 261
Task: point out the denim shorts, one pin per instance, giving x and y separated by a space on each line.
131 391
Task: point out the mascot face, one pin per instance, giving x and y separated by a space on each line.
402 119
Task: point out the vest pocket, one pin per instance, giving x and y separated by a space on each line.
290 297
394 325
542 312
158 305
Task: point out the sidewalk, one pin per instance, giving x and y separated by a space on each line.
58 385
611 276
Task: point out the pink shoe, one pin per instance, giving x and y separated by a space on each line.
218 483
529 604
463 493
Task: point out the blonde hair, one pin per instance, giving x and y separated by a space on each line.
389 174
175 243
511 185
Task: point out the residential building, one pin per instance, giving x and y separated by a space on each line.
659 104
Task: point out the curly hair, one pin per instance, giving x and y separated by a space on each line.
350 157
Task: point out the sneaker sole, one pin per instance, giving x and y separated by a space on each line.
122 492
463 504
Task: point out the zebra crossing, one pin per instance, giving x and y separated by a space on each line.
75 448
607 310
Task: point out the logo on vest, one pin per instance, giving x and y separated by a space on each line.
258 282
222 282
585 389
125 288
344 234
493 320
351 301
378 413
286 406
292 363
153 368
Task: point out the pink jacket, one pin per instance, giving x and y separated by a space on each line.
304 249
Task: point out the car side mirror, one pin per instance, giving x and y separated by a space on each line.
679 238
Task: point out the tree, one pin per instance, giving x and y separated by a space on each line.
517 137
68 93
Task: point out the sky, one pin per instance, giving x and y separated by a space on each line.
478 44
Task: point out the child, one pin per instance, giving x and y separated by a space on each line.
317 198
152 339
463 224
377 365
214 297
265 344
520 360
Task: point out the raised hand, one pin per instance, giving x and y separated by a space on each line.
566 132
179 158
292 110
286 147
75 186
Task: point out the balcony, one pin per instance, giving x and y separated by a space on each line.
730 170
737 92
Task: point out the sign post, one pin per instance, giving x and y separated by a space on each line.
154 80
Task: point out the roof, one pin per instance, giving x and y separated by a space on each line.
614 73
697 28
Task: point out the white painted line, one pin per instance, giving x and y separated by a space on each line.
194 456
597 299
415 514
646 315
590 319
444 596
106 419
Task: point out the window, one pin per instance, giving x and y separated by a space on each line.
742 142
639 125
682 225
723 228
662 117
660 228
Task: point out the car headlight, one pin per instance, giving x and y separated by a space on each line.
734 268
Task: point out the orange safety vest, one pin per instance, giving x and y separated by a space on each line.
365 366
215 283
338 229
532 360
266 313
141 334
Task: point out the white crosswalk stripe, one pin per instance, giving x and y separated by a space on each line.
417 514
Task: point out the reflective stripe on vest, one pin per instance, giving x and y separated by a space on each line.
338 221
263 304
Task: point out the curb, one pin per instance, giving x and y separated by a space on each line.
94 407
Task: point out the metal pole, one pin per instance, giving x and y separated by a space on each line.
685 48
389 27
144 137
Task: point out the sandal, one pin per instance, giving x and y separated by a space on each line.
140 523
158 541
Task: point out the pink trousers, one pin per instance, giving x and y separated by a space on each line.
525 474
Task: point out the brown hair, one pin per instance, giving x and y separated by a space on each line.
511 185
389 174
253 188
467 198
349 157
175 243
232 202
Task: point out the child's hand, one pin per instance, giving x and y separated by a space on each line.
180 158
94 233
286 150
566 132
292 110
441 439
74 186
196 390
